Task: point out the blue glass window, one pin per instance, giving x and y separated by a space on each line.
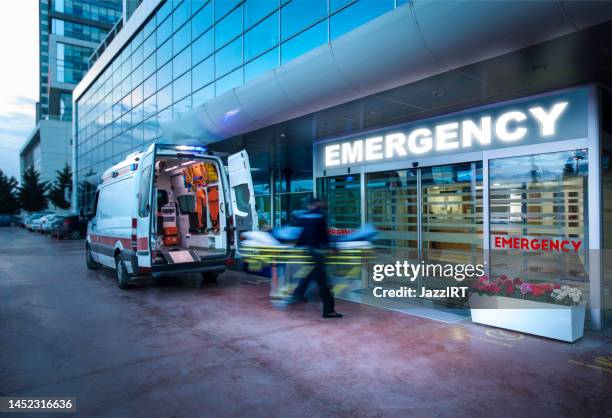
150 26
335 5
165 10
164 53
228 28
149 66
203 95
304 42
229 82
150 130
202 20
150 86
164 31
181 39
299 14
137 95
203 73
181 87
202 47
255 10
181 14
181 107
182 62
356 15
260 65
228 58
150 107
261 38
138 75
149 45
224 6
164 97
164 75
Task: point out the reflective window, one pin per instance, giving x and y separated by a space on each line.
228 58
150 26
164 97
182 62
335 5
150 85
164 53
229 82
202 20
203 47
149 66
261 38
356 15
260 65
304 42
149 45
299 14
228 28
164 31
224 6
181 38
182 106
150 107
181 14
137 95
164 75
255 10
203 73
181 87
203 95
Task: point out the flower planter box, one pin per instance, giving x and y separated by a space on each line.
560 322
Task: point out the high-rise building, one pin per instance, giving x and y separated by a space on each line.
69 32
448 125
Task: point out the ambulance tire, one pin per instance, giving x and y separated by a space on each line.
91 264
121 273
209 277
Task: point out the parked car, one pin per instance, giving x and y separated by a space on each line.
172 209
9 220
34 217
41 223
68 226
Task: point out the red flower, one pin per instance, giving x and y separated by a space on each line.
517 282
557 286
509 290
503 277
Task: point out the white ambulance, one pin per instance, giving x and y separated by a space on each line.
171 209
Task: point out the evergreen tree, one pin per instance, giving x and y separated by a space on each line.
33 192
9 203
57 192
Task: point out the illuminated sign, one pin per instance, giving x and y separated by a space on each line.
549 118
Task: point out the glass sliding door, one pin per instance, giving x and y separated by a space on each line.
452 217
392 208
539 199
343 195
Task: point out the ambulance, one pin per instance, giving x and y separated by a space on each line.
171 209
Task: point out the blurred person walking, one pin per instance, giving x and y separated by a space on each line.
315 238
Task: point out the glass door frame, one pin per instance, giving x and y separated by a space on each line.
591 143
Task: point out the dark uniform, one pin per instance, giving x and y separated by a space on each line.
314 236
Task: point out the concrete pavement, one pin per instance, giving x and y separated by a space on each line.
171 349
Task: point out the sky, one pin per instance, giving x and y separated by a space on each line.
18 78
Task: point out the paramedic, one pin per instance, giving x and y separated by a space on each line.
314 236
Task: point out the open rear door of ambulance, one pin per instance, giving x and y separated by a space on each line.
242 195
145 210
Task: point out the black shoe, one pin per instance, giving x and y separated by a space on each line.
332 314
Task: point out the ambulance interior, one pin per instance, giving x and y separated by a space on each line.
189 222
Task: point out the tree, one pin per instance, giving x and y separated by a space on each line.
33 192
57 192
9 203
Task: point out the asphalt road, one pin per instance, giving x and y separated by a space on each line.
172 349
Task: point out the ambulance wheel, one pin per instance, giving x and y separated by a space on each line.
209 277
123 278
91 264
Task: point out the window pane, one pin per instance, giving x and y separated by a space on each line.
164 97
203 95
229 82
150 107
149 86
356 15
181 107
203 73
181 14
149 45
261 38
300 14
304 42
224 6
164 53
164 75
182 87
182 62
260 65
228 58
228 28
202 20
254 10
181 38
203 47
334 5
164 31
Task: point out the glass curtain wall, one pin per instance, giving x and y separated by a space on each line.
187 53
